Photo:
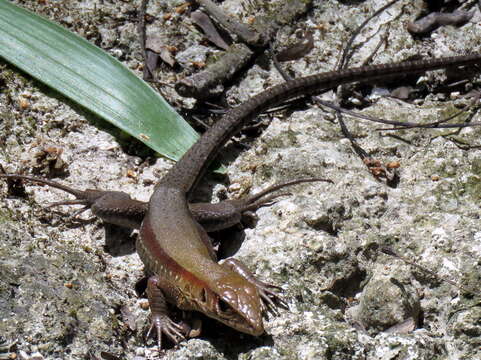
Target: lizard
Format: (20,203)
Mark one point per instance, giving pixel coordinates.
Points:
(173,242)
(176,251)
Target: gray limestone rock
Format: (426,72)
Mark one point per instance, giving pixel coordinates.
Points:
(63,295)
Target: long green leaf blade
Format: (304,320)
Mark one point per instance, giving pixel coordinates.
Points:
(92,78)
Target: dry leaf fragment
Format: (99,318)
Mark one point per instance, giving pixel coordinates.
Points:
(393,165)
(182,8)
(155,47)
(203,21)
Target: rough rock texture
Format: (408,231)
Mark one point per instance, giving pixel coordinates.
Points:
(62,296)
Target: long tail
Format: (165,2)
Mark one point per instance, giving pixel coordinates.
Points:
(185,174)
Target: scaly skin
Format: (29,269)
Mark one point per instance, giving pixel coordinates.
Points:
(175,250)
(118,208)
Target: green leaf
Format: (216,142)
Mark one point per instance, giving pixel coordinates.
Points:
(92,78)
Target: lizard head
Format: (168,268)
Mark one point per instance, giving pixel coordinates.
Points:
(235,302)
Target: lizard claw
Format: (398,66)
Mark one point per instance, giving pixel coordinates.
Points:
(270,297)
(164,325)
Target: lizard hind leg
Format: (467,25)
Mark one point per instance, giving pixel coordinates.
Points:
(82,197)
(270,298)
(113,207)
(79,194)
(246,207)
(260,199)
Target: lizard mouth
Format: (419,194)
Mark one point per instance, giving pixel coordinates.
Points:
(233,301)
(226,314)
(233,315)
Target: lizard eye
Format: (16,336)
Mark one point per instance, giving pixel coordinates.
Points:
(223,306)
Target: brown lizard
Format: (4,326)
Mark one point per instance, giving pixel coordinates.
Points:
(176,249)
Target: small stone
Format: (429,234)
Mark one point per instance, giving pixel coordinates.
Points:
(144,305)
(385,303)
(23,103)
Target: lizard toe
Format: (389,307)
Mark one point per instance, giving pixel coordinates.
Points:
(271,298)
(164,325)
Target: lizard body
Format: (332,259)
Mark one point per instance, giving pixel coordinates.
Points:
(177,251)
(173,242)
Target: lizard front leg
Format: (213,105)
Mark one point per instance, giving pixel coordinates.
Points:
(160,320)
(269,293)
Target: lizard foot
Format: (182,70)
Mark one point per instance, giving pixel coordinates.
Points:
(164,325)
(270,296)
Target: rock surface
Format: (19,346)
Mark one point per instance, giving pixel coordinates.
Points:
(62,296)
